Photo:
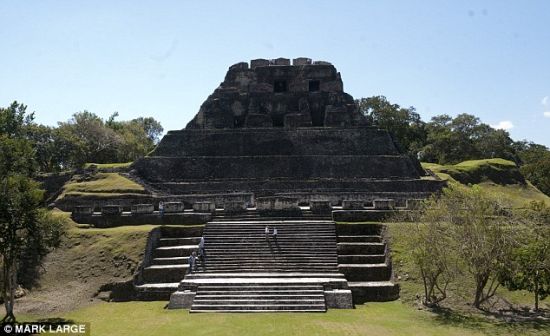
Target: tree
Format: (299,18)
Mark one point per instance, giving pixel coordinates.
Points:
(21,227)
(404,123)
(429,245)
(530,267)
(465,137)
(463,231)
(536,164)
(485,237)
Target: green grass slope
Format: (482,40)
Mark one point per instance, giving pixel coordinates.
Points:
(101,185)
(499,177)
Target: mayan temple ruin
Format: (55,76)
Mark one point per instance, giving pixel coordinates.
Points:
(273,161)
(272,128)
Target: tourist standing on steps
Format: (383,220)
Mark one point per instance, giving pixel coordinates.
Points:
(192,262)
(201,248)
(161,208)
(267,233)
(275,233)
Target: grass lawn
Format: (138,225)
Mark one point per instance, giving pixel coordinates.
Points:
(380,319)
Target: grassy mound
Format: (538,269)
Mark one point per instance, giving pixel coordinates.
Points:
(498,171)
(100,185)
(499,177)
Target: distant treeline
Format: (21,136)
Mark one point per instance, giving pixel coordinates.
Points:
(447,140)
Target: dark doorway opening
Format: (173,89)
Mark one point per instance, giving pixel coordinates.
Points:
(279,86)
(314,85)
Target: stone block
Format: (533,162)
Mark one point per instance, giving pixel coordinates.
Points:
(83,210)
(139,209)
(352,205)
(181,300)
(384,204)
(295,120)
(204,207)
(301,61)
(173,207)
(111,210)
(260,88)
(337,116)
(280,61)
(276,203)
(322,63)
(320,207)
(414,204)
(258,62)
(339,298)
(234,207)
(241,66)
(258,121)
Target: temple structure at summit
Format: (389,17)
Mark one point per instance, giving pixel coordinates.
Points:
(273,128)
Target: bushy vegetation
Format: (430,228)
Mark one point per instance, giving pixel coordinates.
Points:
(447,141)
(467,238)
(85,138)
(26,231)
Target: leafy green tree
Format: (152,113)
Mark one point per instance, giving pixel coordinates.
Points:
(530,266)
(465,137)
(536,164)
(428,241)
(466,232)
(404,123)
(20,197)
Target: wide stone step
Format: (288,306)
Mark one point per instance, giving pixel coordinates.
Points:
(175,251)
(179,241)
(155,291)
(267,308)
(373,291)
(271,278)
(244,292)
(251,288)
(361,248)
(164,273)
(365,238)
(170,261)
(317,300)
(361,259)
(366,272)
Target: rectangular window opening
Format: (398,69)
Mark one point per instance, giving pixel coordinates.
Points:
(314,85)
(279,86)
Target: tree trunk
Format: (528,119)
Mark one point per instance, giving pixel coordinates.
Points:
(536,293)
(10,281)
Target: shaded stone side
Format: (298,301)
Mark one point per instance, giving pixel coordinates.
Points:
(304,167)
(252,142)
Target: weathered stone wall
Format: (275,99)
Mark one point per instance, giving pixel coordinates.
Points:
(254,142)
(276,89)
(253,167)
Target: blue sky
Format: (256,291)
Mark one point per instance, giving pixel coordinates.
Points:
(163,58)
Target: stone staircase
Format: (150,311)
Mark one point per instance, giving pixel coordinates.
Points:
(363,258)
(166,261)
(246,272)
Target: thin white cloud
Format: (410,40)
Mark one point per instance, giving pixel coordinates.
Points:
(547,114)
(504,125)
(544,101)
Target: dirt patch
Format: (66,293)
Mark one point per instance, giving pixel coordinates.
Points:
(87,261)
